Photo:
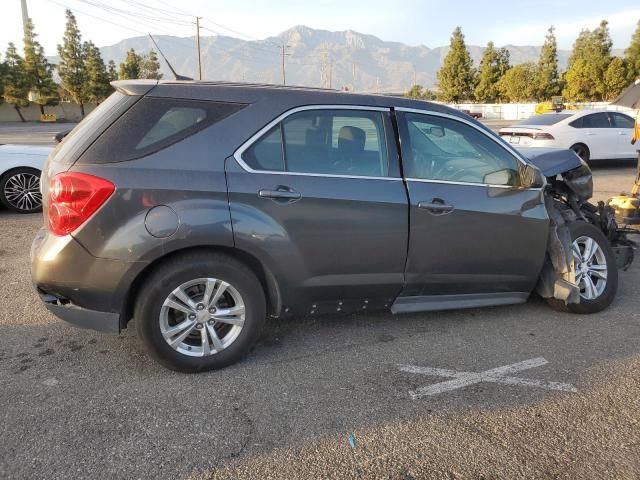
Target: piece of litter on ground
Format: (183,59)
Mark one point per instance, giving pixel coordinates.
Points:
(352,440)
(51,382)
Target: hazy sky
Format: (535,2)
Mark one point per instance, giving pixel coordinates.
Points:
(414,22)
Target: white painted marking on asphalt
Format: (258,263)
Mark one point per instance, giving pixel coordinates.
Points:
(494,375)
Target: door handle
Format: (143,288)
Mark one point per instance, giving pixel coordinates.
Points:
(281,193)
(623,133)
(437,206)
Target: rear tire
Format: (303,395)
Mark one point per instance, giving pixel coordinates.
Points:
(180,296)
(594,295)
(582,151)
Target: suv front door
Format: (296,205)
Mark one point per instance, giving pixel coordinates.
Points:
(317,196)
(476,236)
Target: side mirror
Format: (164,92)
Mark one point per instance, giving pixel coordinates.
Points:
(531,177)
(505,176)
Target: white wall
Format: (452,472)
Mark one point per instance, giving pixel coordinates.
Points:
(69,112)
(519,111)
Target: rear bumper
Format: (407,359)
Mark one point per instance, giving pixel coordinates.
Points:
(82,317)
(76,286)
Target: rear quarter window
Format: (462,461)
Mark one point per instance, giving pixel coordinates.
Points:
(153,124)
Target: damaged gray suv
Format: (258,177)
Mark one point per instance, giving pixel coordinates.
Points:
(199,209)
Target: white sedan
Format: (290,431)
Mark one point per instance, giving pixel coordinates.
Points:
(20,168)
(592,134)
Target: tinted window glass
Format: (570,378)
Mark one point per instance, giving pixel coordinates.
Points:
(153,124)
(449,150)
(546,119)
(577,123)
(622,121)
(92,126)
(266,153)
(333,142)
(596,120)
(336,142)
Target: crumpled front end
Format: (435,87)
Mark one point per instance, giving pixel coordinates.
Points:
(569,187)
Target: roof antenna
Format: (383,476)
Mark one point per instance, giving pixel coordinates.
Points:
(175,75)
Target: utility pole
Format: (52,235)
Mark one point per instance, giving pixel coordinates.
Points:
(354,76)
(330,72)
(25,15)
(283,53)
(198,47)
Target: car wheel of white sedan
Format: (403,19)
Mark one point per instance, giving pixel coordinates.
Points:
(20,190)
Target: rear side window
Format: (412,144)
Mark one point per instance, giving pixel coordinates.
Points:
(90,128)
(330,142)
(153,124)
(622,121)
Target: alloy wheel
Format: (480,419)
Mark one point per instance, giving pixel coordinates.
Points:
(22,191)
(202,317)
(590,266)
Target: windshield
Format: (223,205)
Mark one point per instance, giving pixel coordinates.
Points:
(545,119)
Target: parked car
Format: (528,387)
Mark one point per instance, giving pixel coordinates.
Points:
(592,134)
(201,208)
(20,167)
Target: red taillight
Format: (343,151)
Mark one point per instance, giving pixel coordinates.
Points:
(73,198)
(542,136)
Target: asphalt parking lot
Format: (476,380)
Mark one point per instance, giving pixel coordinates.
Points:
(560,400)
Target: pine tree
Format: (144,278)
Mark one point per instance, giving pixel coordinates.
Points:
(38,71)
(615,78)
(516,84)
(632,56)
(588,63)
(420,93)
(97,86)
(456,77)
(493,66)
(16,88)
(131,68)
(547,78)
(71,67)
(3,73)
(112,72)
(150,66)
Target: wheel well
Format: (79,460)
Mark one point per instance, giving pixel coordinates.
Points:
(581,144)
(265,276)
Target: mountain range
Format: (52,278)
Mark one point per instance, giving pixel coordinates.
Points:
(318,58)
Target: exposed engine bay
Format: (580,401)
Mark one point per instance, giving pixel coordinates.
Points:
(569,187)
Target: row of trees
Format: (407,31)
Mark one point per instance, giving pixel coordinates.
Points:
(593,73)
(82,74)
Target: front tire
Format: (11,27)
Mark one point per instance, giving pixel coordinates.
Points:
(596,270)
(20,190)
(200,312)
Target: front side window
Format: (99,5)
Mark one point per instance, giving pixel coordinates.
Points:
(443,149)
(332,142)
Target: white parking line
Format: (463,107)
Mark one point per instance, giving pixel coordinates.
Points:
(495,375)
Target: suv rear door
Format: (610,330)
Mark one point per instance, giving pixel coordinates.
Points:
(317,196)
(624,127)
(476,236)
